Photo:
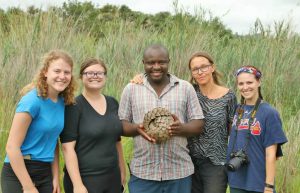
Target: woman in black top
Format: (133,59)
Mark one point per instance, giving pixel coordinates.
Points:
(91,137)
(208,150)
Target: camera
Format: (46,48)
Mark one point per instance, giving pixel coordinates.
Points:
(237,159)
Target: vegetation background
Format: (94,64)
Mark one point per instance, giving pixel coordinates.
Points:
(118,35)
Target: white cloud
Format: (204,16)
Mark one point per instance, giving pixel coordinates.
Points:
(238,15)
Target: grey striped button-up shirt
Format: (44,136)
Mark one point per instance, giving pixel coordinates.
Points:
(169,160)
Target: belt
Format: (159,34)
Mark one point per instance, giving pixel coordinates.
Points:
(27,157)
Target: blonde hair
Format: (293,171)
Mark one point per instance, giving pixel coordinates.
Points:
(216,75)
(39,82)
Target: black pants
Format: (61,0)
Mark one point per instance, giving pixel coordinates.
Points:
(103,183)
(40,173)
(208,178)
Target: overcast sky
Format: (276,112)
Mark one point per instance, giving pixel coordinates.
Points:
(238,15)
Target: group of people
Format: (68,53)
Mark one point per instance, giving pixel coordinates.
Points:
(195,159)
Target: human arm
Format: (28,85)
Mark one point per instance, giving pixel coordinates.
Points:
(18,131)
(68,138)
(270,166)
(126,115)
(72,166)
(55,170)
(121,163)
(129,129)
(132,129)
(273,140)
(231,107)
(192,113)
(193,127)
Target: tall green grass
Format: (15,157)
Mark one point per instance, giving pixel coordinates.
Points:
(121,47)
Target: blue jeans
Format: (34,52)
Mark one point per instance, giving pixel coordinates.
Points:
(138,185)
(236,190)
(208,178)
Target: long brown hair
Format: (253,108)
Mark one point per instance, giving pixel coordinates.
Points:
(40,83)
(216,75)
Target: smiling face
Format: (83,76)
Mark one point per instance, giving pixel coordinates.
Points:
(58,76)
(156,62)
(94,77)
(202,70)
(248,86)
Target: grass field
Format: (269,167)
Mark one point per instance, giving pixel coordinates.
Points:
(276,54)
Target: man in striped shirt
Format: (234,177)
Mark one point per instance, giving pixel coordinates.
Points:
(164,167)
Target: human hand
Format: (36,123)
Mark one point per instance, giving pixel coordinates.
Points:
(176,128)
(123,177)
(56,187)
(137,79)
(141,131)
(80,189)
(30,190)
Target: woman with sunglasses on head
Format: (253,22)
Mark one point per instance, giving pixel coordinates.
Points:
(256,138)
(91,137)
(208,150)
(31,164)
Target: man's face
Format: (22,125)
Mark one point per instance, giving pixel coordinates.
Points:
(156,63)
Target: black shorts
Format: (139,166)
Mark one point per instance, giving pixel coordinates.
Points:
(40,173)
(108,182)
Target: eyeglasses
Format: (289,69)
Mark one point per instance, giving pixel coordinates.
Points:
(91,74)
(200,69)
(159,62)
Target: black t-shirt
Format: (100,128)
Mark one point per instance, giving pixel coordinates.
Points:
(96,135)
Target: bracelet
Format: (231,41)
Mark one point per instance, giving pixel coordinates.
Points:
(269,185)
(268,190)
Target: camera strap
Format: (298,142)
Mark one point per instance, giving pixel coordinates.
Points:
(240,116)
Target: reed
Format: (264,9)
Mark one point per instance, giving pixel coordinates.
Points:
(121,46)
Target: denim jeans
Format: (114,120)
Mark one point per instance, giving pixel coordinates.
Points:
(236,190)
(138,185)
(40,173)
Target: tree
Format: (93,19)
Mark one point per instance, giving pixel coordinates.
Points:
(32,10)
